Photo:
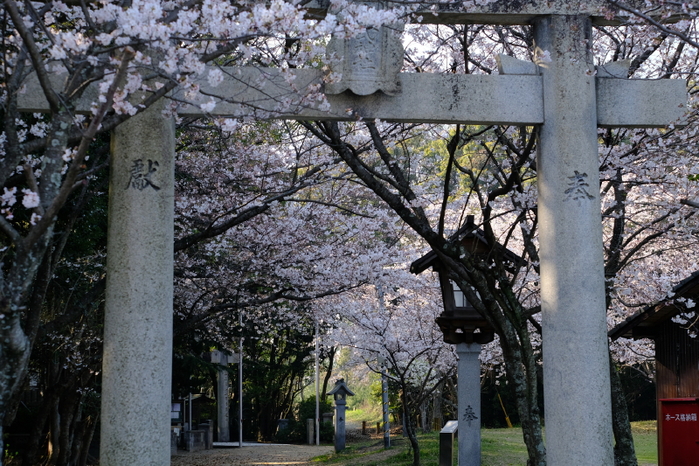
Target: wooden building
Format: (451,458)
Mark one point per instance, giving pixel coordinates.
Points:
(676,353)
(676,371)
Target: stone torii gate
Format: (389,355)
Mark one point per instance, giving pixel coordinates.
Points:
(563,97)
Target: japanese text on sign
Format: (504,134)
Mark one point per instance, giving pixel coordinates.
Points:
(681,417)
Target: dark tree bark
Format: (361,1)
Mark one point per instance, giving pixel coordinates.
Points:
(479,279)
(409,424)
(624,451)
(328,374)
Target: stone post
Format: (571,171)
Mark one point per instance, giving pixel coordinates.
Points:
(340,432)
(137,363)
(446,443)
(575,351)
(469,401)
(223,397)
(310,430)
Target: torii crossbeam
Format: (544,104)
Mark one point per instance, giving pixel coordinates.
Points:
(564,98)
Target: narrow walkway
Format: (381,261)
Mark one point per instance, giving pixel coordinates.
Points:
(253,454)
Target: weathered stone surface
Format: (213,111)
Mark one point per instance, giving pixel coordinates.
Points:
(621,102)
(469,401)
(367,63)
(223,395)
(340,392)
(635,103)
(425,97)
(136,368)
(508,12)
(575,349)
(514,98)
(614,69)
(512,65)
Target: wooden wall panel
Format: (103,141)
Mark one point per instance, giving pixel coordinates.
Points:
(677,362)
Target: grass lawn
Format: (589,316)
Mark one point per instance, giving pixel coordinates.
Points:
(645,439)
(500,447)
(503,447)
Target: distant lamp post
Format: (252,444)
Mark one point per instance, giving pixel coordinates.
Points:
(462,325)
(339,393)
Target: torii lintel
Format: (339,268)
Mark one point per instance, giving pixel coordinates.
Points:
(505,99)
(516,12)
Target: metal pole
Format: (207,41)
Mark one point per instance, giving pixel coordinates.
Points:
(240,384)
(189,409)
(384,382)
(384,396)
(317,374)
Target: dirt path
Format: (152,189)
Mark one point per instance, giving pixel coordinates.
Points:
(276,455)
(253,455)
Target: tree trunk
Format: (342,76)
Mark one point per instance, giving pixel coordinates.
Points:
(624,452)
(36,435)
(82,436)
(424,423)
(91,425)
(527,406)
(54,434)
(437,420)
(409,427)
(328,374)
(70,406)
(522,373)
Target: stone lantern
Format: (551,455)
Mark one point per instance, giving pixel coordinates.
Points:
(460,322)
(340,392)
(462,325)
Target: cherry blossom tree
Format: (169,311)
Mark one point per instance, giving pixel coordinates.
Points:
(275,217)
(279,225)
(135,53)
(389,325)
(262,218)
(647,178)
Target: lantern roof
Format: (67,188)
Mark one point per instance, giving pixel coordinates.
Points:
(474,240)
(341,388)
(644,323)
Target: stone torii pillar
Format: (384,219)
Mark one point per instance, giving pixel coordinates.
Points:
(137,361)
(577,401)
(562,97)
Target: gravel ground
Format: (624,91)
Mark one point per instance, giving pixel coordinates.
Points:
(262,454)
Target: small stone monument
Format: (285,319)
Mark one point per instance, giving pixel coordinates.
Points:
(340,392)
